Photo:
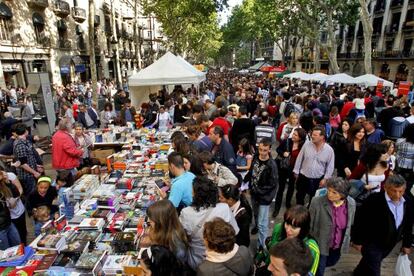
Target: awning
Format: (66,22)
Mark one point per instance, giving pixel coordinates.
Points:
(38,19)
(61,25)
(5,11)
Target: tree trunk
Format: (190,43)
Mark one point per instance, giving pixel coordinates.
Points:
(316,57)
(366,24)
(137,36)
(295,46)
(331,45)
(92,59)
(117,61)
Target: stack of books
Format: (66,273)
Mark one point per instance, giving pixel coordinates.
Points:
(92,224)
(55,242)
(114,264)
(12,253)
(84,186)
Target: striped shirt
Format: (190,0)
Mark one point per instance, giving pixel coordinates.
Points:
(264,131)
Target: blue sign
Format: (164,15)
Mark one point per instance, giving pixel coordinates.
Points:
(65,70)
(80,68)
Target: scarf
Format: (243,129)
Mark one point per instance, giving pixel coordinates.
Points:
(216,257)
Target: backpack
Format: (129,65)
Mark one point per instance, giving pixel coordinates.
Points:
(289,108)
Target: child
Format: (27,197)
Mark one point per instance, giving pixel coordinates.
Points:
(360,103)
(244,160)
(334,118)
(391,153)
(40,203)
(64,180)
(293,123)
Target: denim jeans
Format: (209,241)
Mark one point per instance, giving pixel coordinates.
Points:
(9,237)
(327,261)
(261,213)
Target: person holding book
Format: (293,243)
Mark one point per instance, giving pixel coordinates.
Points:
(40,203)
(165,228)
(9,236)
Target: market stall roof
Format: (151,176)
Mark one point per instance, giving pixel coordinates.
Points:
(372,80)
(341,78)
(192,68)
(258,65)
(317,77)
(297,75)
(167,70)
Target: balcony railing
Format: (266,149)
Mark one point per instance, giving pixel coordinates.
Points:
(408,26)
(391,29)
(38,3)
(79,14)
(379,8)
(64,44)
(61,8)
(396,4)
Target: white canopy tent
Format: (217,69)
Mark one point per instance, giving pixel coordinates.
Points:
(341,78)
(317,77)
(297,75)
(372,80)
(168,70)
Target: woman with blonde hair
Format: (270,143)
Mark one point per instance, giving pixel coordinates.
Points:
(292,124)
(166,230)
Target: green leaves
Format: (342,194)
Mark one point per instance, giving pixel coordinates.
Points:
(191,26)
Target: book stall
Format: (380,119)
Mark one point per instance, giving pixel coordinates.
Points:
(102,228)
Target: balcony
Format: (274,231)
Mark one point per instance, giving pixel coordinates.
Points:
(43,4)
(106,8)
(408,26)
(395,4)
(64,44)
(379,8)
(79,14)
(61,8)
(391,29)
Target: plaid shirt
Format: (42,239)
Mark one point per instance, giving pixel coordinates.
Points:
(24,150)
(404,154)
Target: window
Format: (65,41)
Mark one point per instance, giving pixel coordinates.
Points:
(5,22)
(39,27)
(5,29)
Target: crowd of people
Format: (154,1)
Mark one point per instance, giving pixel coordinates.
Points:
(343,153)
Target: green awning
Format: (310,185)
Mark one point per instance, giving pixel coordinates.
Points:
(281,74)
(5,11)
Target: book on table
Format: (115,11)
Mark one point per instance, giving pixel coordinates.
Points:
(12,253)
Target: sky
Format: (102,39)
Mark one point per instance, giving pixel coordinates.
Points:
(224,15)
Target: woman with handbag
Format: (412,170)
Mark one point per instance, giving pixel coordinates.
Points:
(287,152)
(40,203)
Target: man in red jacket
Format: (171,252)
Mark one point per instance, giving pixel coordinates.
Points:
(65,153)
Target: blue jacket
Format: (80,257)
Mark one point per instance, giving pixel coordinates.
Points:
(92,115)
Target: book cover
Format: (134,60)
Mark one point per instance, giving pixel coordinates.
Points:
(91,236)
(60,223)
(46,262)
(12,253)
(88,260)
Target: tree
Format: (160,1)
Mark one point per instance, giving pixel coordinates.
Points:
(366,25)
(92,58)
(191,26)
(336,12)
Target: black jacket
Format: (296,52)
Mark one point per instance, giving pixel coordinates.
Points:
(242,128)
(243,219)
(266,187)
(225,155)
(375,224)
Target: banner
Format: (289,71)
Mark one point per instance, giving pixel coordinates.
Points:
(403,88)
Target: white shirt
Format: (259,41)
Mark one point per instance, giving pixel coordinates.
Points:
(18,209)
(410,119)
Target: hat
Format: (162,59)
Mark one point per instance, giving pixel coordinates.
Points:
(44,179)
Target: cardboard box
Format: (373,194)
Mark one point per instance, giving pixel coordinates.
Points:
(102,154)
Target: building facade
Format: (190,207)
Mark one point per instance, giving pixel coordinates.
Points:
(392,41)
(53,36)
